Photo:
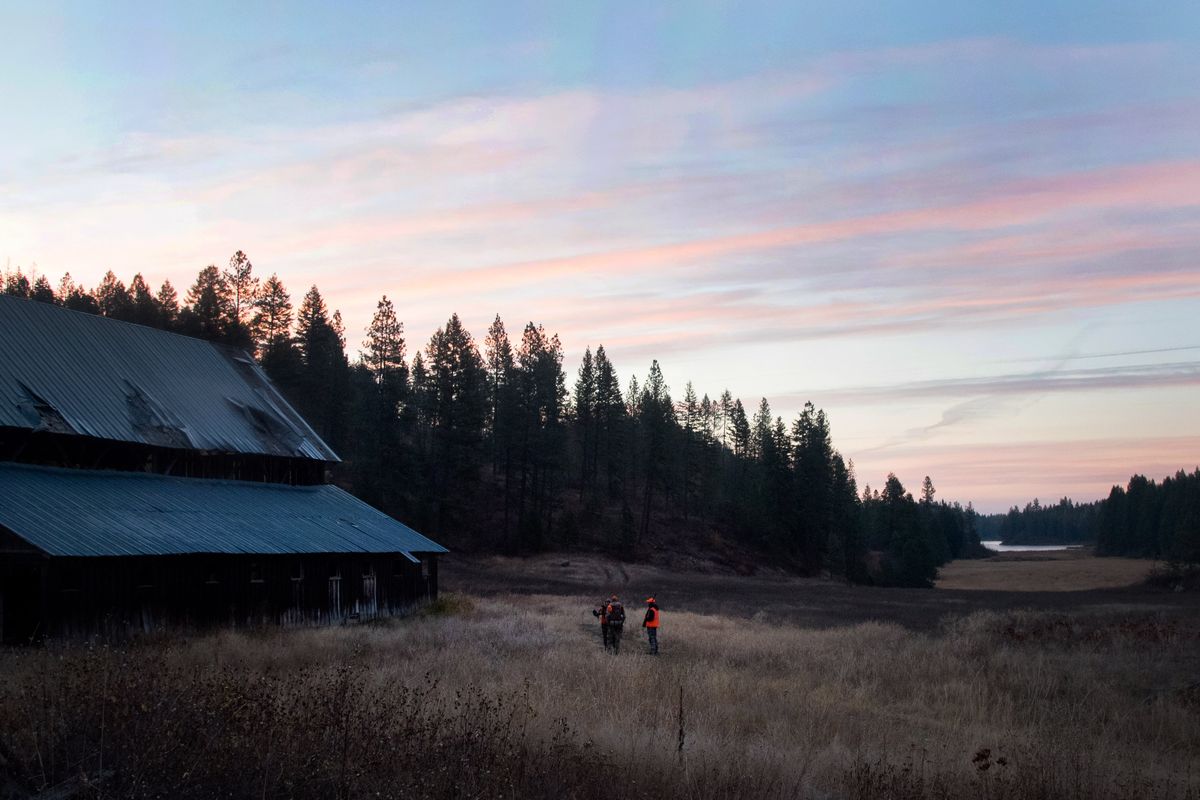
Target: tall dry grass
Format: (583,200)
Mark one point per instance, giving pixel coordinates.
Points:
(513,697)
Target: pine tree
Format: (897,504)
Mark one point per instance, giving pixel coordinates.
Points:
(610,419)
(42,291)
(384,343)
(338,327)
(740,429)
(499,361)
(209,307)
(585,416)
(271,324)
(168,305)
(847,547)
(504,416)
(691,418)
(541,392)
(760,437)
(243,287)
(417,410)
(656,415)
(75,297)
(312,323)
(66,286)
(909,558)
(145,306)
(813,460)
(16,284)
(113,298)
(726,418)
(457,412)
(325,371)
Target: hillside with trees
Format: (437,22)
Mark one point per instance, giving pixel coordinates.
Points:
(492,447)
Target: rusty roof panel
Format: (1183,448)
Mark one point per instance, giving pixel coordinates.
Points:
(74,373)
(74,512)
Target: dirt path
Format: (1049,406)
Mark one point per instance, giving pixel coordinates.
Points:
(803,601)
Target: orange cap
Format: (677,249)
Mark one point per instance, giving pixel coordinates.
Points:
(649,599)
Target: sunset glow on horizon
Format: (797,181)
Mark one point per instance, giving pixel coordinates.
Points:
(970,235)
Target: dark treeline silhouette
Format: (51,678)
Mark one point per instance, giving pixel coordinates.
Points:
(1144,519)
(1152,520)
(483,448)
(1065,522)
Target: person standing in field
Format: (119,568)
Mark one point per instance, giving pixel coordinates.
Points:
(616,623)
(602,613)
(650,623)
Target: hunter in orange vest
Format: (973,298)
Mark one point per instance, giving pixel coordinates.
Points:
(650,623)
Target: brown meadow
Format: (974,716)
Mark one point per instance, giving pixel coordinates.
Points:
(511,696)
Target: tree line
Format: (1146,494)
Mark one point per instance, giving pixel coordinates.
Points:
(1064,522)
(484,447)
(1152,520)
(1143,519)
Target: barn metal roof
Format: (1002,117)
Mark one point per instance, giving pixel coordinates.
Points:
(76,512)
(74,373)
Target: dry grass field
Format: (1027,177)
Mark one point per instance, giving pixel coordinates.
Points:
(1047,571)
(510,695)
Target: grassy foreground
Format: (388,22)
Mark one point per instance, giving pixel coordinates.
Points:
(512,697)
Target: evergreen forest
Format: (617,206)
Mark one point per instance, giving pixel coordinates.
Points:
(489,446)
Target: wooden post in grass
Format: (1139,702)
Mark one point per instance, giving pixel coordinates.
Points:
(682,734)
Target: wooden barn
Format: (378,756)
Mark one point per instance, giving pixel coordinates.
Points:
(151,480)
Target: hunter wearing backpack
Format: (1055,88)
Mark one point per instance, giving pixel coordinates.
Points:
(615,612)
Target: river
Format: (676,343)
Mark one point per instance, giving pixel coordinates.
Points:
(1026,548)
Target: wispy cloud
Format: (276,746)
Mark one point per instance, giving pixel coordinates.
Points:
(1112,354)
(845,199)
(1138,376)
(995,475)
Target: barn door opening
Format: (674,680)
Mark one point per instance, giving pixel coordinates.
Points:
(370,598)
(21,605)
(334,608)
(295,612)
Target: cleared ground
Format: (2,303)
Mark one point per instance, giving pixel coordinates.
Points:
(1055,585)
(1056,571)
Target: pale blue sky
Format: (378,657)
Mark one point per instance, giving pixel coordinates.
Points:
(969,230)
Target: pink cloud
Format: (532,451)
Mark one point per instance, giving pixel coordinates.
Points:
(1160,185)
(662,324)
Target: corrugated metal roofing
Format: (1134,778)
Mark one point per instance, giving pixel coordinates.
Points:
(73,512)
(70,372)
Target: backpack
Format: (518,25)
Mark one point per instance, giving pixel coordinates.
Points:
(616,613)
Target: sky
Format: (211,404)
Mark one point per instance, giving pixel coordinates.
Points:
(968,230)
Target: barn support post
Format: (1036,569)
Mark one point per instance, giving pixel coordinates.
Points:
(43,599)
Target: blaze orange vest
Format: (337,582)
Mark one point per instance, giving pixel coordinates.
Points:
(653,621)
